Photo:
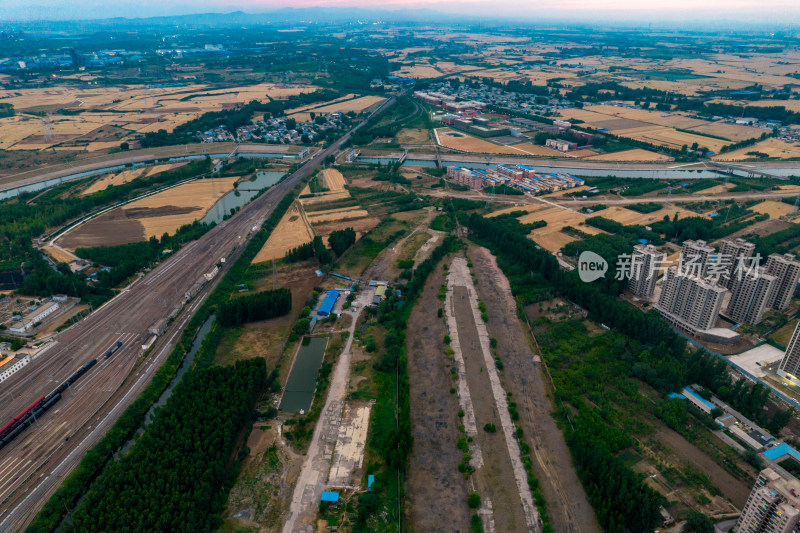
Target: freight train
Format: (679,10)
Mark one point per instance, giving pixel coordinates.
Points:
(30,414)
(112,350)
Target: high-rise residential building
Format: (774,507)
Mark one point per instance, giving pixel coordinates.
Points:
(690,302)
(646,261)
(786,268)
(790,364)
(773,505)
(732,253)
(750,293)
(696,257)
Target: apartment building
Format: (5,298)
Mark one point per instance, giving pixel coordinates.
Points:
(734,252)
(787,269)
(790,364)
(646,261)
(773,505)
(696,257)
(750,293)
(690,302)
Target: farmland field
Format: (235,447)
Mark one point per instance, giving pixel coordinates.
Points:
(291,232)
(636,154)
(155,215)
(770,147)
(773,209)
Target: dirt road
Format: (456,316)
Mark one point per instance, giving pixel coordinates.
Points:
(567,503)
(436,490)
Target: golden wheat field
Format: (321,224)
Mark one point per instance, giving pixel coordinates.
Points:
(291,231)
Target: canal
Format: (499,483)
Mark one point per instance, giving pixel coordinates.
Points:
(303,378)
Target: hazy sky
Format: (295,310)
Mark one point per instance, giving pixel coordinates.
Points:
(784,12)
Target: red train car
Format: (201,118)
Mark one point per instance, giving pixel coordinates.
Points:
(21,415)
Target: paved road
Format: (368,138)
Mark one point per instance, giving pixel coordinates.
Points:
(34,464)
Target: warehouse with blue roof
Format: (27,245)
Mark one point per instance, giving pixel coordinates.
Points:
(328,302)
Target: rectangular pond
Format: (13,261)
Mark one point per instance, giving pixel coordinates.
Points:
(303,378)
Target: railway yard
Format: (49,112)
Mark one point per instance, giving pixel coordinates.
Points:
(41,456)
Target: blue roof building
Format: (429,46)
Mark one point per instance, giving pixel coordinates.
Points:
(328,302)
(332,497)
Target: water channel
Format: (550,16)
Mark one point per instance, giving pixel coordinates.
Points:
(245,191)
(42,185)
(303,378)
(660,173)
(188,359)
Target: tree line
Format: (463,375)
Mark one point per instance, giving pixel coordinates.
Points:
(171,479)
(253,307)
(341,240)
(666,366)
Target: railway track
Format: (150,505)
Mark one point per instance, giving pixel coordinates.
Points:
(36,462)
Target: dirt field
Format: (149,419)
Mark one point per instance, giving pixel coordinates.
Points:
(467,143)
(550,237)
(773,209)
(334,180)
(660,127)
(290,232)
(418,71)
(58,254)
(151,216)
(495,479)
(135,109)
(772,147)
(684,451)
(344,214)
(567,503)
(629,216)
(104,182)
(636,154)
(436,491)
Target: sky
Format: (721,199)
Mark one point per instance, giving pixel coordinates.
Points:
(782,12)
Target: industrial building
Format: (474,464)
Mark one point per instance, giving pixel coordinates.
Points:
(786,268)
(446,101)
(561,145)
(10,365)
(750,293)
(790,364)
(522,177)
(773,504)
(690,302)
(646,263)
(734,252)
(326,307)
(36,315)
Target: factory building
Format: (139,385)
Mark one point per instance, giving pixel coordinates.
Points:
(561,145)
(787,269)
(326,307)
(750,293)
(646,262)
(690,302)
(10,365)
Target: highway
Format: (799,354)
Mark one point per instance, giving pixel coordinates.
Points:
(34,464)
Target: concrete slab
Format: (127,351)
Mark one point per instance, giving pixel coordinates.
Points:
(756,359)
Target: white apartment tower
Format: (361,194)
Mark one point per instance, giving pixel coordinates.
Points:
(695,257)
(787,269)
(773,505)
(790,364)
(690,302)
(646,261)
(750,293)
(734,252)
